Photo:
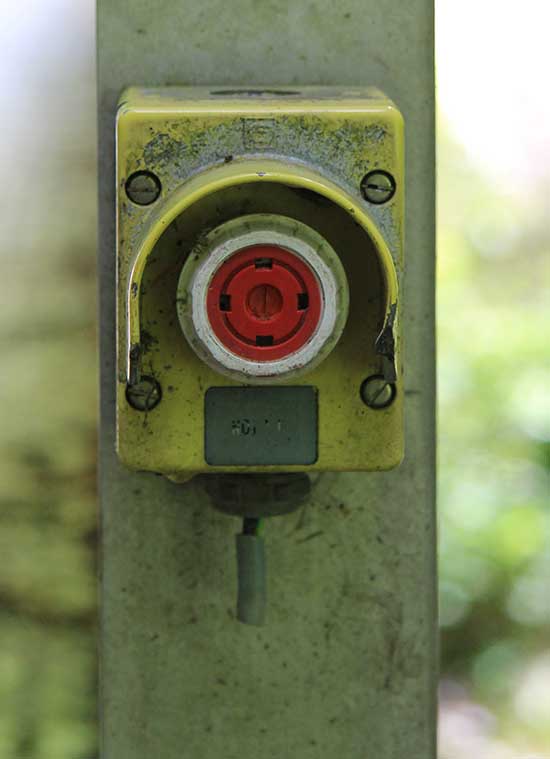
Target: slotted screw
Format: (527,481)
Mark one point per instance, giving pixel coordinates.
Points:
(144,395)
(377,392)
(378,187)
(143,188)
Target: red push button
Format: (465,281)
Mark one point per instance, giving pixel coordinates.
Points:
(264,303)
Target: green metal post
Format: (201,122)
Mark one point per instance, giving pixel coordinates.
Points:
(346,666)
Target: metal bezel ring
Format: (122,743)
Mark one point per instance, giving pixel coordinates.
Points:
(241,233)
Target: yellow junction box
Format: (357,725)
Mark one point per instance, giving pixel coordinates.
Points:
(214,155)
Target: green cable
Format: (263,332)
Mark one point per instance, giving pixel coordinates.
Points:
(251,573)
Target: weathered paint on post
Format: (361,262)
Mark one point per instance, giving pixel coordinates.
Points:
(346,664)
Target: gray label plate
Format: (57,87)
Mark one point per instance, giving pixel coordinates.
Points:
(260,426)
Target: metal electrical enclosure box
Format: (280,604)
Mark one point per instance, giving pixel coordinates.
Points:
(193,163)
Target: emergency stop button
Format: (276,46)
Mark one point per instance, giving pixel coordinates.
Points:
(262,296)
(264,303)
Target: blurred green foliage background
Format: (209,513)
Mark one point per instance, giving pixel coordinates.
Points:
(494,421)
(48,383)
(494,462)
